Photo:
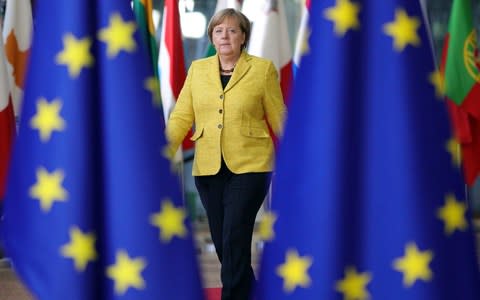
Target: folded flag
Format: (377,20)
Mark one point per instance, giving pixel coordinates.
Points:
(92,210)
(366,202)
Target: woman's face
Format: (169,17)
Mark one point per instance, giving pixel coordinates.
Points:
(228,38)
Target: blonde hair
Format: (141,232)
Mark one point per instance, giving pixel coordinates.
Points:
(242,20)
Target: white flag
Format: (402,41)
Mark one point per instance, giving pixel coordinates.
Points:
(17,37)
(270,38)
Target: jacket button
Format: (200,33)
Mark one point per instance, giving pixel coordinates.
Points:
(220,126)
(221,97)
(220,111)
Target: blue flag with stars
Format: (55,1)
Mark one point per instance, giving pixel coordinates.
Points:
(368,202)
(92,209)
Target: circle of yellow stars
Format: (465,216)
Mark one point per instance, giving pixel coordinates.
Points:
(414,265)
(76,55)
(126,271)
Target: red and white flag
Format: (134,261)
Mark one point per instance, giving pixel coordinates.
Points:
(270,38)
(17,37)
(7,122)
(171,62)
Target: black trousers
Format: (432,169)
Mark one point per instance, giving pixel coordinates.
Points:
(232,202)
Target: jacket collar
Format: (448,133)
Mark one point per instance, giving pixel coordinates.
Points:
(241,68)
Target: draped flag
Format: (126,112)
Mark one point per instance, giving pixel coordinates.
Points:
(301,45)
(7,122)
(461,68)
(270,39)
(171,62)
(222,4)
(92,210)
(143,10)
(366,203)
(17,37)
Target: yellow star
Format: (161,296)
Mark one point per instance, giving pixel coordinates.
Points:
(265,230)
(403,30)
(354,285)
(436,78)
(414,265)
(47,119)
(126,272)
(75,54)
(81,248)
(345,16)
(453,214)
(118,35)
(453,147)
(152,85)
(170,221)
(294,271)
(48,188)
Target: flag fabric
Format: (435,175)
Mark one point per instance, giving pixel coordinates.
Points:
(222,4)
(301,44)
(143,10)
(7,122)
(269,37)
(17,37)
(461,69)
(366,201)
(92,210)
(171,62)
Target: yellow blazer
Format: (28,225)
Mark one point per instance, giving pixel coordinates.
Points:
(230,122)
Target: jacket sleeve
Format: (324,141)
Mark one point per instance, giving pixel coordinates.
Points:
(182,117)
(273,101)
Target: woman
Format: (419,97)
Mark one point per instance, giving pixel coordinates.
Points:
(229,98)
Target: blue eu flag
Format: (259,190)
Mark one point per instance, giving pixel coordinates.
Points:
(368,202)
(92,209)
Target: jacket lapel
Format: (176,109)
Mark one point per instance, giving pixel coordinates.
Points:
(241,69)
(213,72)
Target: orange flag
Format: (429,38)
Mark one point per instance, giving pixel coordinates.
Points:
(17,37)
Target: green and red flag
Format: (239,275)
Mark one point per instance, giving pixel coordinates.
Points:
(461,68)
